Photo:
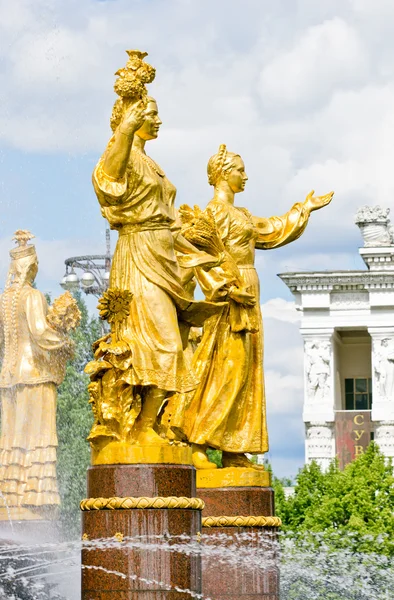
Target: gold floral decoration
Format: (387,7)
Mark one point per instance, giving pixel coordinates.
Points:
(133,77)
(22,236)
(114,307)
(131,84)
(64,314)
(114,401)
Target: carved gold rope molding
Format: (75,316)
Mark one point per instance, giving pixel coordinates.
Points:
(241,522)
(142,502)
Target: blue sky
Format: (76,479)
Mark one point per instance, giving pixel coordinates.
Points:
(303,90)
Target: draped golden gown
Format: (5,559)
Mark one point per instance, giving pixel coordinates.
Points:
(228,409)
(31,369)
(141,208)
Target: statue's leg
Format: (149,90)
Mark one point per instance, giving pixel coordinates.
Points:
(151,404)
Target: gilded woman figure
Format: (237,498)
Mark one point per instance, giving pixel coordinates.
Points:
(137,199)
(35,349)
(228,410)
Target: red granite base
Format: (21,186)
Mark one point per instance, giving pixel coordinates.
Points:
(145,569)
(247,565)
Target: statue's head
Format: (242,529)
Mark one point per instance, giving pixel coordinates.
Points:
(151,126)
(130,86)
(227,167)
(24,261)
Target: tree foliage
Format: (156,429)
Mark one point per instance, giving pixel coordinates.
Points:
(353,508)
(74,420)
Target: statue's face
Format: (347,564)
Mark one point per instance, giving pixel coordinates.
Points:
(150,128)
(237,177)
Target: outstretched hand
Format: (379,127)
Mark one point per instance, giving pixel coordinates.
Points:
(315,202)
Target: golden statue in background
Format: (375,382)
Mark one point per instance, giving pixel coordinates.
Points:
(35,348)
(142,375)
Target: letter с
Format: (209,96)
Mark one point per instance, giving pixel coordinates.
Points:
(359,420)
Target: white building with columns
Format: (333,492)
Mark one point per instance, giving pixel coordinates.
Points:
(348,330)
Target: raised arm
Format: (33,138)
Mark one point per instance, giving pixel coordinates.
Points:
(279,231)
(118,153)
(109,175)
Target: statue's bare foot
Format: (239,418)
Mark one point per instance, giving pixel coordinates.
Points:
(200,458)
(231,459)
(149,437)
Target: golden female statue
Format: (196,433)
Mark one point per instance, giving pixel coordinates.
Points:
(227,411)
(35,349)
(137,199)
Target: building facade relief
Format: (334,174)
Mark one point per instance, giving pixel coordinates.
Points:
(349,374)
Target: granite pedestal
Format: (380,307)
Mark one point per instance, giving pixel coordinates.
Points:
(137,565)
(248,569)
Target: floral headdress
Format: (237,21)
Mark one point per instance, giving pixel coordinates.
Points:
(22,237)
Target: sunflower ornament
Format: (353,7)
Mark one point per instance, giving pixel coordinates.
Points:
(114,307)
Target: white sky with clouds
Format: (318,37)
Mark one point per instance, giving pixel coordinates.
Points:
(303,90)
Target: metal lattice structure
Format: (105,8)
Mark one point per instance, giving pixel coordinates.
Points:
(95,271)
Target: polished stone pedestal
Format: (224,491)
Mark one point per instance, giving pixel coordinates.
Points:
(247,566)
(139,562)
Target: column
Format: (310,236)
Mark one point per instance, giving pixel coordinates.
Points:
(383,387)
(319,395)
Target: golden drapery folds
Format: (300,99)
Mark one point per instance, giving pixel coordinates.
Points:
(141,208)
(147,348)
(228,409)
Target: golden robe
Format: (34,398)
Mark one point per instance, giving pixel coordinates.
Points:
(228,409)
(32,367)
(141,208)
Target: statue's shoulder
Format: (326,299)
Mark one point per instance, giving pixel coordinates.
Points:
(33,294)
(218,207)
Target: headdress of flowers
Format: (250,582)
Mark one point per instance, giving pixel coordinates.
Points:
(22,236)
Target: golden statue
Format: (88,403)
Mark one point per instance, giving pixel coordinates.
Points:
(148,389)
(34,348)
(142,361)
(227,411)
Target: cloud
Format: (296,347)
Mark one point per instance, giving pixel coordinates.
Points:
(304,91)
(283,310)
(325,56)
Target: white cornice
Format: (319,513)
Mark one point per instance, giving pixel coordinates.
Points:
(327,281)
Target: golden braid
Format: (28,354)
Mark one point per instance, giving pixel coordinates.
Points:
(216,164)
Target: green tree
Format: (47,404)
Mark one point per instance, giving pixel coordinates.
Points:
(353,508)
(74,420)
